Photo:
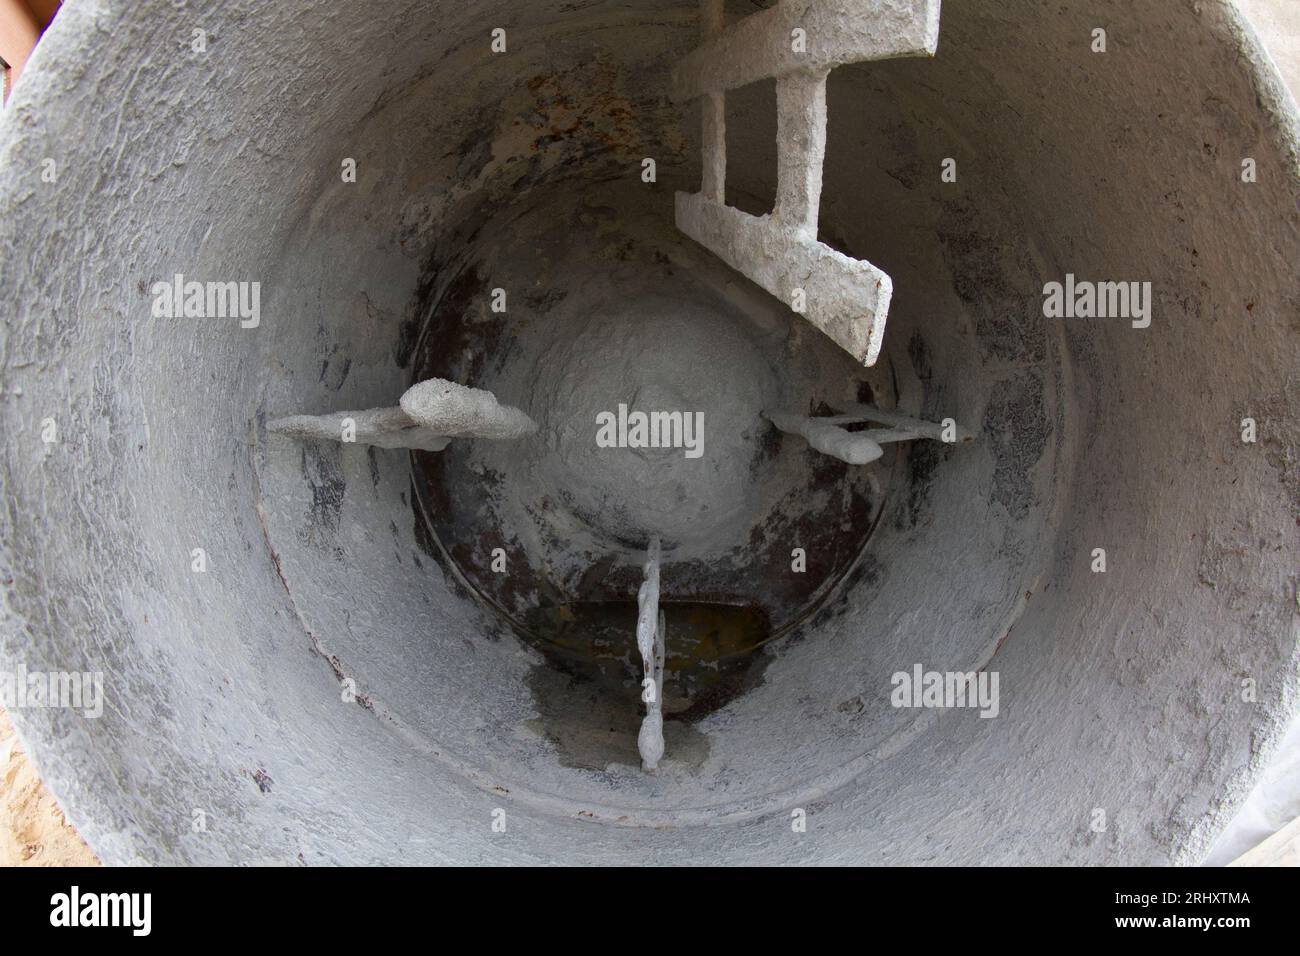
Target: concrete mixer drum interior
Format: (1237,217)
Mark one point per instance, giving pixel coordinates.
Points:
(589,432)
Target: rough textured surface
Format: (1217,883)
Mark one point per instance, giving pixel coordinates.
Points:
(1120,691)
(798,42)
(855,412)
(846,298)
(800,151)
(836,32)
(650,642)
(461,412)
(431,413)
(381,427)
(828,435)
(855,449)
(636,315)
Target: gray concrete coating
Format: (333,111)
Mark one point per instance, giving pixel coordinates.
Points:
(230,690)
(429,414)
(797,44)
(828,435)
(650,642)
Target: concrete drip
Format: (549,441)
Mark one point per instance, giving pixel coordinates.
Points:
(650,642)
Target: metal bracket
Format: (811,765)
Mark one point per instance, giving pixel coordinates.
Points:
(797,42)
(827,434)
(428,415)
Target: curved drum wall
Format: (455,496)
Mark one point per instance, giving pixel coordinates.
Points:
(224,690)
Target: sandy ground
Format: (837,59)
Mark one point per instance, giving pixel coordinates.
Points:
(1278,24)
(33,831)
